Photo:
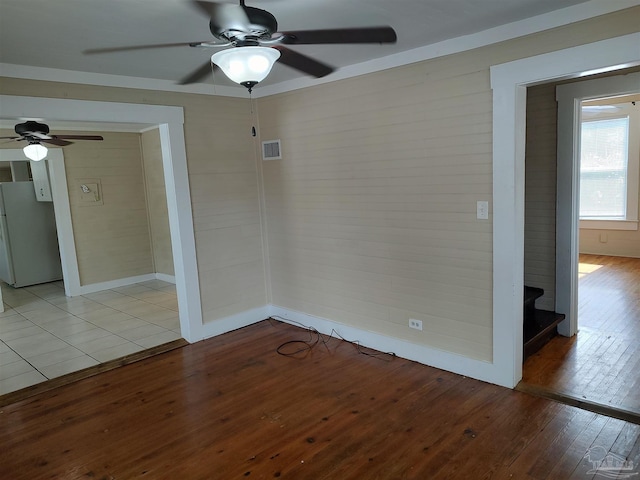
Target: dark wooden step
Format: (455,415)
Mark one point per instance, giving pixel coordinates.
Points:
(531,294)
(540,326)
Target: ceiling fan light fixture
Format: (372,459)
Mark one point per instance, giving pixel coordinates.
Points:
(246,65)
(35,151)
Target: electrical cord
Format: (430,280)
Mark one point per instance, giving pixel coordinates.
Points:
(315,337)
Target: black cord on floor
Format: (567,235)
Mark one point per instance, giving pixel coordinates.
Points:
(315,337)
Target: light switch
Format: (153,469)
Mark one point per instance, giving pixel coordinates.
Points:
(482,209)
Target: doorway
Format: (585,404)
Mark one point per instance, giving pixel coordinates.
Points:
(509,82)
(592,366)
(169,121)
(45,334)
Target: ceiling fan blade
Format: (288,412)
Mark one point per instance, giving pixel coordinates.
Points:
(39,135)
(93,51)
(198,74)
(303,63)
(341,35)
(77,137)
(11,138)
(233,17)
(57,141)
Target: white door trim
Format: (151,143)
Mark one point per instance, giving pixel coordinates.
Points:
(170,121)
(568,185)
(509,82)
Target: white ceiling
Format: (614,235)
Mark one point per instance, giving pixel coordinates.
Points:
(54,33)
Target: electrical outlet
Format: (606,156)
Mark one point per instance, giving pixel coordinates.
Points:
(417,324)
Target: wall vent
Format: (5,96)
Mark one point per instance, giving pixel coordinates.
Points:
(271,150)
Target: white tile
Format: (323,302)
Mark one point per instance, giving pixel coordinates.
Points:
(14,322)
(30,305)
(8,311)
(46,291)
(98,314)
(80,306)
(111,319)
(116,352)
(15,368)
(121,303)
(146,310)
(9,357)
(86,336)
(43,319)
(171,288)
(141,332)
(171,304)
(101,343)
(54,357)
(21,381)
(65,317)
(158,339)
(45,314)
(169,323)
(131,289)
(124,325)
(36,345)
(68,366)
(26,331)
(63,330)
(158,315)
(152,296)
(100,297)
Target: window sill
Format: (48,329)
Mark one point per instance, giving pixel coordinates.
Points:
(609,224)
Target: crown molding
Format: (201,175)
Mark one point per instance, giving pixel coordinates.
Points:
(557,18)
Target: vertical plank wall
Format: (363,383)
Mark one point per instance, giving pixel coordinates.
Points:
(157,202)
(112,238)
(371,212)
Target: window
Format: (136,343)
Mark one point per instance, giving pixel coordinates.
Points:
(603,169)
(609,158)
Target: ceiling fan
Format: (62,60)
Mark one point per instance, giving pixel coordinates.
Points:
(257,44)
(37,133)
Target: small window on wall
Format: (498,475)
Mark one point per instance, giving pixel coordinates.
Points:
(609,157)
(603,169)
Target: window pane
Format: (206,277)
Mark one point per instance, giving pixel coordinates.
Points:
(603,168)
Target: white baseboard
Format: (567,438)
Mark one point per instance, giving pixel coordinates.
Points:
(441,359)
(120,282)
(166,278)
(233,322)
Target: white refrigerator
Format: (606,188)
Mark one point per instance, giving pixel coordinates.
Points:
(29,251)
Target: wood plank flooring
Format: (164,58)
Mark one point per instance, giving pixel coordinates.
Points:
(231,407)
(601,364)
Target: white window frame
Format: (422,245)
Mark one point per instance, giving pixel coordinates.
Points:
(630,222)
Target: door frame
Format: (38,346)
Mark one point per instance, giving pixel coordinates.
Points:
(509,82)
(569,98)
(170,121)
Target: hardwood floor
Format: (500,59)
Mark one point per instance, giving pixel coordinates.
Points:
(601,364)
(232,407)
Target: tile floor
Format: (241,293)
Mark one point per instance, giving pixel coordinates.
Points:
(44,334)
